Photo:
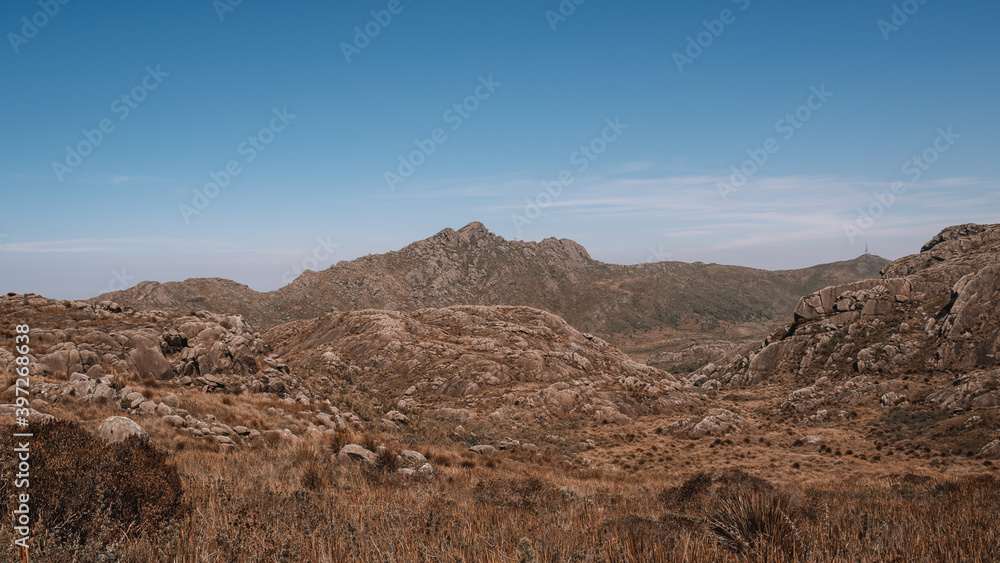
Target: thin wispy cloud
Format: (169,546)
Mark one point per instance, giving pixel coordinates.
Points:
(95,245)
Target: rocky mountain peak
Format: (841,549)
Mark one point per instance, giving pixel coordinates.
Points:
(473,266)
(474,228)
(472,232)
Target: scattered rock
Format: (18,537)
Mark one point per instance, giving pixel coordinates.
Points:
(412,458)
(891,399)
(353,453)
(10,411)
(397,417)
(991,450)
(119,429)
(509,444)
(484,450)
(174,420)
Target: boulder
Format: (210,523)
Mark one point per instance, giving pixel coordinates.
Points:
(411,458)
(133,400)
(147,358)
(484,449)
(173,420)
(63,362)
(719,422)
(891,399)
(397,417)
(509,444)
(118,429)
(991,450)
(353,453)
(104,393)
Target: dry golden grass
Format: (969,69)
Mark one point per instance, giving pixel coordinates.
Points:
(293,503)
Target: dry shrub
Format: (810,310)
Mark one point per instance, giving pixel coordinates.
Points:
(314,477)
(371,442)
(441,458)
(755,524)
(386,460)
(528,492)
(341,437)
(693,492)
(273,439)
(87,492)
(699,491)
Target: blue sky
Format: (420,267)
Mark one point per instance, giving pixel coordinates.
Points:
(183,93)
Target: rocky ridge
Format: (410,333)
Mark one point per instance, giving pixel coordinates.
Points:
(473,266)
(924,337)
(514,362)
(936,311)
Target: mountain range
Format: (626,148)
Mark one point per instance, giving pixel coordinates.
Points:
(636,307)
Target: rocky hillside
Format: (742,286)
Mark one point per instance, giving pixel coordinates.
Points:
(473,266)
(455,363)
(920,343)
(516,363)
(936,311)
(878,375)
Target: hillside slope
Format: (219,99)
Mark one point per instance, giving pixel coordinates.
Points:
(473,266)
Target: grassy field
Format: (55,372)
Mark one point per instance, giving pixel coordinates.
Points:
(283,502)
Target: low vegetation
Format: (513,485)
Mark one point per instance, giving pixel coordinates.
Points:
(89,499)
(294,503)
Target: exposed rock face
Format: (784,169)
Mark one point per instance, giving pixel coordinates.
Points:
(991,450)
(693,356)
(119,429)
(716,422)
(473,266)
(468,347)
(474,353)
(935,311)
(147,357)
(107,338)
(977,390)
